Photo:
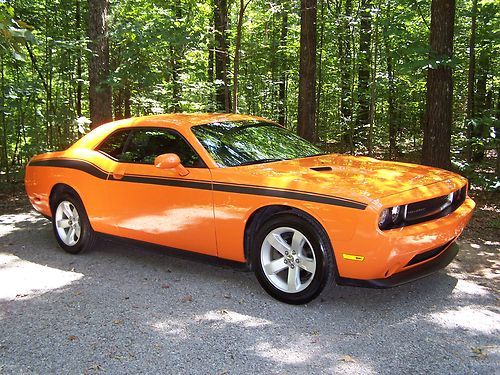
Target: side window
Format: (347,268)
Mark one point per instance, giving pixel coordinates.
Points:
(113,145)
(146,144)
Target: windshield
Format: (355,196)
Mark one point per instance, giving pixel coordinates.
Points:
(251,142)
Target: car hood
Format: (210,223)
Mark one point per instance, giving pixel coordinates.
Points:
(359,178)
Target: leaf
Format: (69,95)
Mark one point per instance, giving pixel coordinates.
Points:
(347,358)
(478,352)
(187,298)
(72,338)
(17,56)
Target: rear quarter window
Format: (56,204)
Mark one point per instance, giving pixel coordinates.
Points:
(114,144)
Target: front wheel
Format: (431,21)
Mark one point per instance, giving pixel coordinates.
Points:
(71,225)
(292,258)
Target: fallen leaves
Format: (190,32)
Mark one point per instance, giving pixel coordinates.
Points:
(347,358)
(187,298)
(72,338)
(478,352)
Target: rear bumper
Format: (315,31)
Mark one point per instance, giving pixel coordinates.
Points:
(412,274)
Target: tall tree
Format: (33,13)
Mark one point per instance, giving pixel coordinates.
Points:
(364,66)
(175,62)
(471,79)
(438,117)
(307,71)
(283,67)
(344,52)
(100,95)
(391,98)
(79,87)
(223,100)
(237,52)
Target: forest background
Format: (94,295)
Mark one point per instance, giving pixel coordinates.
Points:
(383,78)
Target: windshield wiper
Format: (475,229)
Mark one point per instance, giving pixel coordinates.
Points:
(259,161)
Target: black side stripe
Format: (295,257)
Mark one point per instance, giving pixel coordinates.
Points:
(95,171)
(80,165)
(290,190)
(288,194)
(164,181)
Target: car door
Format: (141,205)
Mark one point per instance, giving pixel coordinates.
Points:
(157,205)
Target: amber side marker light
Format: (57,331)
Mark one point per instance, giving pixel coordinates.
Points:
(358,258)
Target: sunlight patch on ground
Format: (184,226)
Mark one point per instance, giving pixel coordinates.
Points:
(288,355)
(22,279)
(470,318)
(347,366)
(221,318)
(8,222)
(232,317)
(172,328)
(466,287)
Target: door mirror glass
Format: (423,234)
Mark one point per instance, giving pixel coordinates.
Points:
(171,161)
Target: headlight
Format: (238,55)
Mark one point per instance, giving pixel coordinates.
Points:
(384,219)
(391,217)
(395,211)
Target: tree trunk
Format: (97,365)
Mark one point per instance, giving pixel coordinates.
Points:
(118,104)
(100,95)
(211,61)
(175,61)
(5,156)
(364,66)
(373,87)
(176,86)
(438,118)
(471,81)
(320,69)
(237,50)
(344,46)
(307,71)
(282,84)
(481,104)
(79,84)
(391,110)
(497,130)
(126,102)
(223,100)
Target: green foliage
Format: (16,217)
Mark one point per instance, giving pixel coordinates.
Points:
(160,62)
(13,33)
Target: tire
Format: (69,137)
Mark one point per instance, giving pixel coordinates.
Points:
(292,258)
(71,224)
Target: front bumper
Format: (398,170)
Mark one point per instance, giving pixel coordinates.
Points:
(387,253)
(419,271)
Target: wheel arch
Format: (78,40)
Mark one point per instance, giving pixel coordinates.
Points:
(61,188)
(260,215)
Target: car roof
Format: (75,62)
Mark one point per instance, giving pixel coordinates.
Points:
(178,121)
(183,120)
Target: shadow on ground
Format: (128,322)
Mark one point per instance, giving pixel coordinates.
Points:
(127,309)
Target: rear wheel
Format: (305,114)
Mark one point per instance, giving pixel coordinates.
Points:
(71,225)
(292,258)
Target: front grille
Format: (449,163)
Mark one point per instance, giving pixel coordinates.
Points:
(434,208)
(427,255)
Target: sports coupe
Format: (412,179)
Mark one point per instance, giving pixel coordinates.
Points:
(245,189)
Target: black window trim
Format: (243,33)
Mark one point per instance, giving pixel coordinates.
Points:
(131,131)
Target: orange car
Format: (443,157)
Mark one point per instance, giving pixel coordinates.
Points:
(245,189)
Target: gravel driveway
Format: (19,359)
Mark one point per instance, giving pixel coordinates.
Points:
(125,309)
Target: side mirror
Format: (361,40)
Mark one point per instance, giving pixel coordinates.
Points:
(171,161)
